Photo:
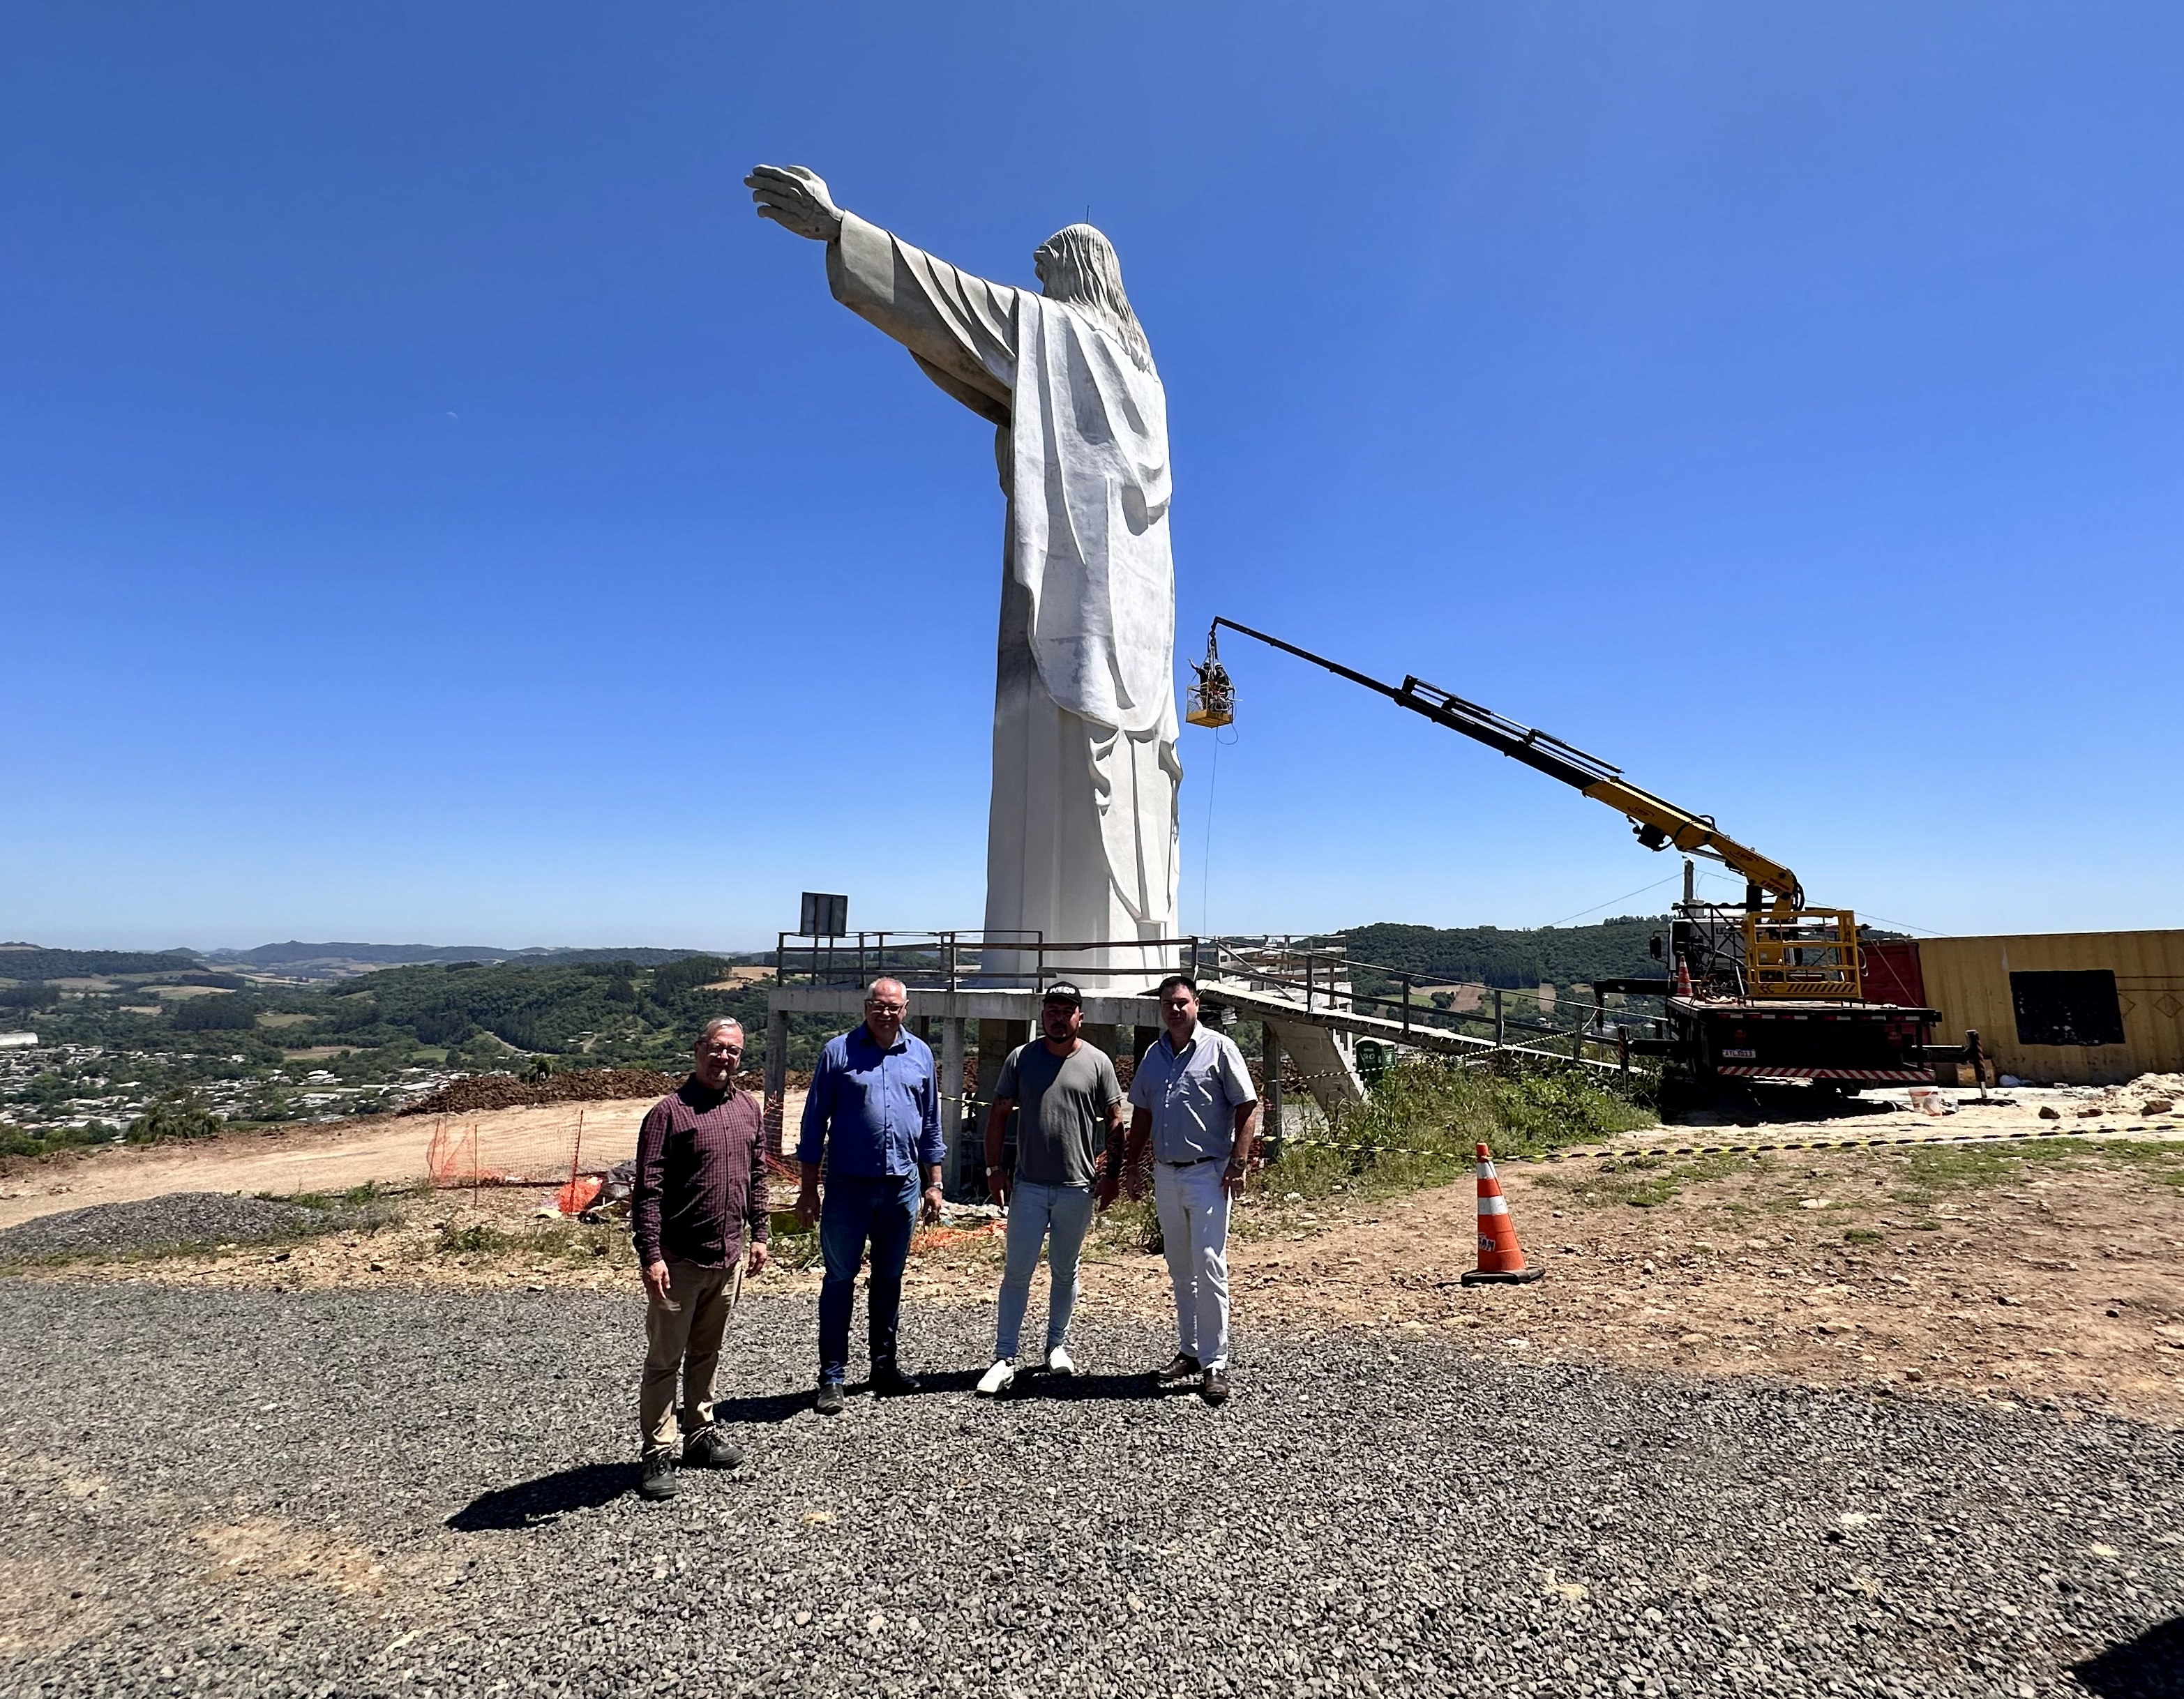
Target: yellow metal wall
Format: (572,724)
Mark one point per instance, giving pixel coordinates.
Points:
(1968,980)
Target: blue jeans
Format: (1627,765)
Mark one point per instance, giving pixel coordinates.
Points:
(857,1209)
(1034,1211)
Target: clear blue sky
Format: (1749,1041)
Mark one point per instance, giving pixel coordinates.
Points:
(432,506)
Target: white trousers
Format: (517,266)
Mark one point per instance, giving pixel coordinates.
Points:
(1193,1204)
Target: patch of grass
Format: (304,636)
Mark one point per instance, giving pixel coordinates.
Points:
(1131,1224)
(794,1248)
(356,1197)
(52,1140)
(2161,1163)
(108,1255)
(1420,1124)
(1933,1169)
(1860,1235)
(474,1238)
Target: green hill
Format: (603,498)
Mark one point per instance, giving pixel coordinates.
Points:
(1523,959)
(28,961)
(334,961)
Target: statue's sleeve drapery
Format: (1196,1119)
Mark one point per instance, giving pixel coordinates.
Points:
(961,329)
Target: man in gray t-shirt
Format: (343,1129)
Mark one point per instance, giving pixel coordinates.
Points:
(1069,1137)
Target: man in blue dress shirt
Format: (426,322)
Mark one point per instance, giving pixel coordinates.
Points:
(873,1116)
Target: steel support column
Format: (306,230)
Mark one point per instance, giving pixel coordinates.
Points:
(951,1089)
(777,1077)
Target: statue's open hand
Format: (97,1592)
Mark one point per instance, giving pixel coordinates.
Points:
(796,199)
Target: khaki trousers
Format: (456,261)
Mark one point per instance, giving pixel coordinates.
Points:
(687,1338)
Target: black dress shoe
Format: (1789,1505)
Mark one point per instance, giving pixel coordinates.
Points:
(659,1479)
(1182,1367)
(1213,1386)
(829,1401)
(890,1382)
(709,1448)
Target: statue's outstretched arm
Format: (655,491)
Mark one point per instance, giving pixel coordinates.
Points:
(960,328)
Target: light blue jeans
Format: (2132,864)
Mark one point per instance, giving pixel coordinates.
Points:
(1035,1213)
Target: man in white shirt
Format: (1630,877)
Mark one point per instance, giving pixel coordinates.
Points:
(1193,1099)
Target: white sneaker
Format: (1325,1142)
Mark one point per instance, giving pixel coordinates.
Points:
(1059,1361)
(998,1378)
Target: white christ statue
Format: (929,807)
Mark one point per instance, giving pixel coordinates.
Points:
(1081,832)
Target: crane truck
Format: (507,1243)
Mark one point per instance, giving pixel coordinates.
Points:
(1769,990)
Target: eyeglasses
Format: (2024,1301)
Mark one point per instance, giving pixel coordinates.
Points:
(887,1008)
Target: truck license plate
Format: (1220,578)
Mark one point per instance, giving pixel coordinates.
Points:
(1741,1056)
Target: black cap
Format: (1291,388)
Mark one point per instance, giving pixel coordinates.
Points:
(1061,991)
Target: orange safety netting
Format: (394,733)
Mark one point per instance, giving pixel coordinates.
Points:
(578,1195)
(467,1155)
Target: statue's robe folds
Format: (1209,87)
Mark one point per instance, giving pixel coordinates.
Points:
(1081,835)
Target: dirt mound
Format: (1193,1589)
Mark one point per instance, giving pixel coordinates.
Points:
(2150,1094)
(583,1085)
(506,1091)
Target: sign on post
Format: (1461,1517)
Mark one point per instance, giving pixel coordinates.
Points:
(824,915)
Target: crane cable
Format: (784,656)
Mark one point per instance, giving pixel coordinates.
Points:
(1205,847)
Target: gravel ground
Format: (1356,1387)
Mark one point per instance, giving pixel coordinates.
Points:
(399,1492)
(179,1218)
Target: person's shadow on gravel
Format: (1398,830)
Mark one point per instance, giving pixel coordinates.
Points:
(2151,1667)
(537,1503)
(1037,1383)
(931,1382)
(767,1408)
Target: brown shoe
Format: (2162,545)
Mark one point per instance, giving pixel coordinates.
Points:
(1182,1368)
(1213,1386)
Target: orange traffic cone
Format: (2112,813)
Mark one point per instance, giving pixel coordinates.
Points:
(1500,1258)
(1683,977)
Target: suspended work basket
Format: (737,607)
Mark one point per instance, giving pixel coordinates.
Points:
(1210,707)
(1212,701)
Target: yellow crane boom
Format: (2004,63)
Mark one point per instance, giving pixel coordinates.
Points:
(1657,822)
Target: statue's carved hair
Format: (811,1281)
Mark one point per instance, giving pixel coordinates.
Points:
(1082,270)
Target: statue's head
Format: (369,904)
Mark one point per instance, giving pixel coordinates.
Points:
(1078,264)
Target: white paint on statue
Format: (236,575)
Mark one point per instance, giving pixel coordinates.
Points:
(1081,838)
(1089,546)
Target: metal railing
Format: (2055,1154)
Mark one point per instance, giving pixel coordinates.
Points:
(968,958)
(1327,978)
(1323,978)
